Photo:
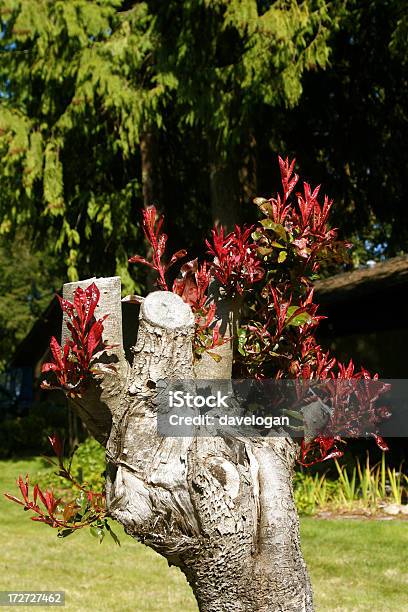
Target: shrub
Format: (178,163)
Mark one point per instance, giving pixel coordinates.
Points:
(88,466)
(361,486)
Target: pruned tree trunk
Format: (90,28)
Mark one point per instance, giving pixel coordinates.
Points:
(219,508)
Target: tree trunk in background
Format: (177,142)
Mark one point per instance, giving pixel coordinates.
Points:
(151,184)
(150,165)
(224,188)
(73,434)
(220,508)
(248,170)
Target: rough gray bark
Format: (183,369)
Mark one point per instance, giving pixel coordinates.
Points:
(219,508)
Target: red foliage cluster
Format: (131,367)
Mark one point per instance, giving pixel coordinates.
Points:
(352,400)
(47,498)
(86,510)
(293,240)
(72,363)
(321,448)
(236,264)
(290,242)
(151,226)
(192,285)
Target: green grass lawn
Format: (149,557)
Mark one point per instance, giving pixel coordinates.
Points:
(355,565)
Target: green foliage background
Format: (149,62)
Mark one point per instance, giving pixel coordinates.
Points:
(28,281)
(220,83)
(82,80)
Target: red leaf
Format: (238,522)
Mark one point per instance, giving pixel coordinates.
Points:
(57,445)
(49,367)
(42,497)
(334,455)
(23,487)
(95,336)
(381,443)
(66,305)
(186,285)
(139,259)
(56,352)
(161,246)
(93,294)
(80,303)
(175,257)
(216,334)
(14,499)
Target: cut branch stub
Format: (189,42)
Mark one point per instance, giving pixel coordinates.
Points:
(109,304)
(166,310)
(226,315)
(102,395)
(164,344)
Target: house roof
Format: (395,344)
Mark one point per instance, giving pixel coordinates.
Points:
(36,343)
(346,286)
(366,300)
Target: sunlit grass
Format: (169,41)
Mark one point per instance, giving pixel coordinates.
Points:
(94,576)
(355,565)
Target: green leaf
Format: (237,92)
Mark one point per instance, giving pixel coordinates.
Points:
(242,337)
(300,319)
(276,227)
(264,251)
(65,533)
(282,256)
(112,533)
(264,205)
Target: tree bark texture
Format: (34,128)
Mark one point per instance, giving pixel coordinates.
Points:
(219,508)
